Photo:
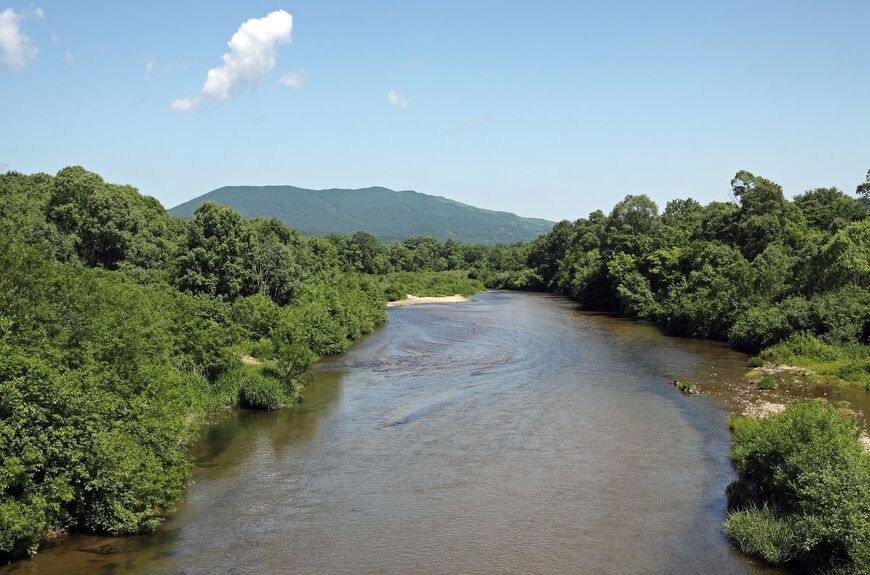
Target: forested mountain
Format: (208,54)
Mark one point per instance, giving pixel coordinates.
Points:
(386,214)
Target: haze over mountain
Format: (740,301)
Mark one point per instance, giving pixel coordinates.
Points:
(389,215)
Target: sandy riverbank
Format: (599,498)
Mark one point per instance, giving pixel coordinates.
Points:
(414,300)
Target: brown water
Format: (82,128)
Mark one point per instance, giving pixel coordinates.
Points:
(510,435)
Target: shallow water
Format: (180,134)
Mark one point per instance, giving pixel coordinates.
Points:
(510,435)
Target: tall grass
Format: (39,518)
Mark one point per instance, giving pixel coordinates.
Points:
(844,363)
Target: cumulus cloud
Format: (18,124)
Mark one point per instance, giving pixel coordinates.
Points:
(16,49)
(149,67)
(398,99)
(251,56)
(293,80)
(39,13)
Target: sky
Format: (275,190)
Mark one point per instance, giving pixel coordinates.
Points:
(546,109)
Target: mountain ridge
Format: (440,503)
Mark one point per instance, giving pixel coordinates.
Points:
(390,215)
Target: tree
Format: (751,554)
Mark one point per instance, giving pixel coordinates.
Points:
(632,224)
(278,260)
(846,257)
(764,215)
(863,189)
(829,209)
(213,259)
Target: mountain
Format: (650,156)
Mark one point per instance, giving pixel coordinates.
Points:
(386,214)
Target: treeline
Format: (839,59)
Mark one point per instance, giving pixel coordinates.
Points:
(121,327)
(761,272)
(362,252)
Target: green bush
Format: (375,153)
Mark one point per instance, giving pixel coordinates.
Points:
(809,475)
(766,383)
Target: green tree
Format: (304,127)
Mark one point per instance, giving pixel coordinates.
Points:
(846,257)
(213,259)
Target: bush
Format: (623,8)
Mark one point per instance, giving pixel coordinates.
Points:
(766,383)
(804,485)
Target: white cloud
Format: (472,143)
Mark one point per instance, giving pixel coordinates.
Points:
(251,56)
(398,99)
(294,80)
(16,49)
(184,104)
(149,66)
(67,57)
(39,13)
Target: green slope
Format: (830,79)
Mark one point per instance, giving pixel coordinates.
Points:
(389,215)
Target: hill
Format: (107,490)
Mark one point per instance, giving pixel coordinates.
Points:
(386,214)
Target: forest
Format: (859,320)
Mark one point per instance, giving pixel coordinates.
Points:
(123,328)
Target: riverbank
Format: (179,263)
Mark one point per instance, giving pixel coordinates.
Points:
(411,299)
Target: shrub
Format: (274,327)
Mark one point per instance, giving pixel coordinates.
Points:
(766,383)
(804,485)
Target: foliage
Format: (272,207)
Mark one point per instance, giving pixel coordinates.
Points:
(834,363)
(803,488)
(121,327)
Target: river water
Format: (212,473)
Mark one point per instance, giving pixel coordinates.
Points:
(514,434)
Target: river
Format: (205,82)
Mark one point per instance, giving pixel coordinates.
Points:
(514,434)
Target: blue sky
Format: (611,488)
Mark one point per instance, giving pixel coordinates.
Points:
(548,109)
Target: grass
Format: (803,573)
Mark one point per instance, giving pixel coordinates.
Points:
(256,387)
(847,364)
(398,285)
(760,533)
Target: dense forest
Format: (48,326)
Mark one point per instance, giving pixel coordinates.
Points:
(122,328)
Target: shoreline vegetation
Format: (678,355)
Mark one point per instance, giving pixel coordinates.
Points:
(802,493)
(122,328)
(786,281)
